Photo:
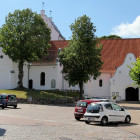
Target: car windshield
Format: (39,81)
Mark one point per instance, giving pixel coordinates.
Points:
(81,104)
(93,108)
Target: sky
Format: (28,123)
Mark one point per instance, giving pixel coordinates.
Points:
(120,17)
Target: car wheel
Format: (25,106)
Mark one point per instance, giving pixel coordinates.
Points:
(15,106)
(77,118)
(87,122)
(5,105)
(127,119)
(2,107)
(104,121)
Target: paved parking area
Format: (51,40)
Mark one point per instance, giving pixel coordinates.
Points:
(46,122)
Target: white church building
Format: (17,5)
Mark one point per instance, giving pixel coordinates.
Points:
(46,74)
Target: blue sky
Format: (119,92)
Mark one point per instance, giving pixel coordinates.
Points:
(121,17)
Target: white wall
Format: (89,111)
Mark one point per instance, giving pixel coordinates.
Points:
(59,79)
(92,88)
(5,74)
(121,79)
(50,73)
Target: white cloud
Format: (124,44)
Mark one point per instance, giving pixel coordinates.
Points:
(130,30)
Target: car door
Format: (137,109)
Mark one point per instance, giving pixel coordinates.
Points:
(109,112)
(119,112)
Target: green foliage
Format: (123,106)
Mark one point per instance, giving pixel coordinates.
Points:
(114,97)
(24,37)
(81,59)
(135,72)
(110,37)
(52,94)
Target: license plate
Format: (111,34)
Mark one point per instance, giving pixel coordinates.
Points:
(90,119)
(80,110)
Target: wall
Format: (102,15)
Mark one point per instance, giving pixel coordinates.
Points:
(121,79)
(5,71)
(50,73)
(92,88)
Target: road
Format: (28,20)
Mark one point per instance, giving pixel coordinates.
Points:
(49,122)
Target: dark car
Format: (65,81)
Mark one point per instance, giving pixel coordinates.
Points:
(10,100)
(2,102)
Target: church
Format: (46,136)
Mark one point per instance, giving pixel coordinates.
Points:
(46,74)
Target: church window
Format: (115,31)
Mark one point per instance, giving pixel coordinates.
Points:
(42,79)
(113,94)
(53,83)
(100,83)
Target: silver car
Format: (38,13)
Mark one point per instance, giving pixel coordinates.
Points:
(105,112)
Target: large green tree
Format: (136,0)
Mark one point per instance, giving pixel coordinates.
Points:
(135,72)
(81,59)
(24,37)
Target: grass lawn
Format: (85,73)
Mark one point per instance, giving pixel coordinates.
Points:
(25,93)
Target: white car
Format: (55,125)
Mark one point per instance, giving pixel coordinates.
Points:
(105,112)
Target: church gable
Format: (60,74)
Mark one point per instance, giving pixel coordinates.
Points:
(121,79)
(55,33)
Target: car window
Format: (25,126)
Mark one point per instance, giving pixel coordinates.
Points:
(108,106)
(116,107)
(12,97)
(94,108)
(3,96)
(81,104)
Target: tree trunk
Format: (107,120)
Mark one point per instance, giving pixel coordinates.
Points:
(20,75)
(81,90)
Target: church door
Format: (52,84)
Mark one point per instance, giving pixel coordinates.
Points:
(131,94)
(30,84)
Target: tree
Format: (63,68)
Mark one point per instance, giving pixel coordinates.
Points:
(111,37)
(135,71)
(24,37)
(81,59)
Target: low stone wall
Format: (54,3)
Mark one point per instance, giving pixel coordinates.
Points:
(48,101)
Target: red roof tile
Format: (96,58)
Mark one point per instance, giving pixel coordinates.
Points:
(113,53)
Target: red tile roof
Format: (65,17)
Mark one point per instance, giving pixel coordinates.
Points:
(55,45)
(113,53)
(115,50)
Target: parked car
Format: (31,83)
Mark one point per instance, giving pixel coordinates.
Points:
(105,112)
(81,106)
(2,102)
(10,100)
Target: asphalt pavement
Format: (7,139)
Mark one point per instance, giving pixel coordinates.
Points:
(49,122)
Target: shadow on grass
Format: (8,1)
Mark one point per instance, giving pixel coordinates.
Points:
(45,97)
(45,94)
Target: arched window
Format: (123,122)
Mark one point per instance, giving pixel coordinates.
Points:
(100,83)
(53,83)
(42,79)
